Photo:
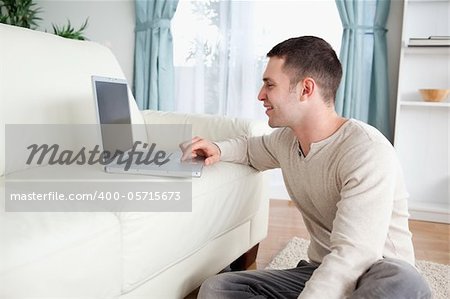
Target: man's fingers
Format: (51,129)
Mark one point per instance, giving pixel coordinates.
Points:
(200,147)
(187,154)
(195,149)
(186,148)
(186,144)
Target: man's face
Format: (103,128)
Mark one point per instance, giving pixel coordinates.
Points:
(281,103)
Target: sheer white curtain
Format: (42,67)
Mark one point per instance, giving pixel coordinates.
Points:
(217,68)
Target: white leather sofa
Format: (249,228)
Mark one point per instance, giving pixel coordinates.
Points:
(45,79)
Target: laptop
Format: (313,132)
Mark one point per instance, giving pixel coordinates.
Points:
(122,155)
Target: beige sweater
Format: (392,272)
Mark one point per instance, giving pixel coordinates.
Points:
(350,191)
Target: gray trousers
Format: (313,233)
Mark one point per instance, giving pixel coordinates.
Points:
(387,278)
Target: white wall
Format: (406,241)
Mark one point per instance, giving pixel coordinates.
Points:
(111,23)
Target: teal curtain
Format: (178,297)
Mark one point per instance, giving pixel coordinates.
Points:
(153,55)
(364,90)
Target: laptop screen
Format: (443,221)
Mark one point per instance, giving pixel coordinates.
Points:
(114,114)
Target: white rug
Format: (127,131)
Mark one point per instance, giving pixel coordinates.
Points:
(437,275)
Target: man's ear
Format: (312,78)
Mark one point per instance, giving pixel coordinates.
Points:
(309,86)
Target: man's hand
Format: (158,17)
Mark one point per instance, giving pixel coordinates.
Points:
(199,147)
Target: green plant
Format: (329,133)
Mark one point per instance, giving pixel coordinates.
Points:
(21,13)
(69,32)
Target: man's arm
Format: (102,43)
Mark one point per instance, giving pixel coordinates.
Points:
(259,152)
(360,228)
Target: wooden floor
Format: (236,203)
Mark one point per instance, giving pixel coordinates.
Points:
(431,240)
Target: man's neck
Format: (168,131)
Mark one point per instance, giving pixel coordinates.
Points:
(317,128)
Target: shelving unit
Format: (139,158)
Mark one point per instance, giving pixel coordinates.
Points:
(422,128)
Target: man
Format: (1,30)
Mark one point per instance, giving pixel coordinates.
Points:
(342,174)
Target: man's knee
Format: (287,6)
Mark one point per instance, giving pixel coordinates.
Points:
(209,287)
(407,280)
(392,278)
(219,286)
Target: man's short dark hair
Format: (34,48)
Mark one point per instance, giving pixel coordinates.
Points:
(310,56)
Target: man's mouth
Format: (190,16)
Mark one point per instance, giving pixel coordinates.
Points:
(268,107)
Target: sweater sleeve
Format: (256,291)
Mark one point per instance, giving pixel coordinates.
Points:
(259,152)
(368,177)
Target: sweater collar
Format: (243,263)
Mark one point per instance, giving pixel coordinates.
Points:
(317,146)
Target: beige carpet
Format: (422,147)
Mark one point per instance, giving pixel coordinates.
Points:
(437,275)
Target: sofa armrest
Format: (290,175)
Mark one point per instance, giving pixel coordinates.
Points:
(210,127)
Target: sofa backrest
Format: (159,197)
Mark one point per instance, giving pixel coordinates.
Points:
(46,79)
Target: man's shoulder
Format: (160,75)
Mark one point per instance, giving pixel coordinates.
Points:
(360,133)
(362,141)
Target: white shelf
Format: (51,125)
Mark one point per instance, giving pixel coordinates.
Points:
(426,50)
(426,104)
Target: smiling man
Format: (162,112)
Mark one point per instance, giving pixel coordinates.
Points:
(342,174)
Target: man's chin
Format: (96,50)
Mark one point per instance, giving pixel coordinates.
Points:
(273,125)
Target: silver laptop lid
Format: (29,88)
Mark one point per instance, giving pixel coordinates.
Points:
(113,113)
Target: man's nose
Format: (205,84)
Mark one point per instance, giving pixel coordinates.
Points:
(262,94)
